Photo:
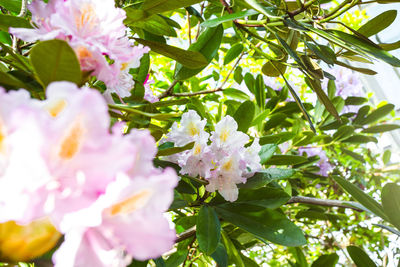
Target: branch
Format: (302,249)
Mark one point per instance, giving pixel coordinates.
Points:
(185,235)
(21,14)
(323,202)
(169,91)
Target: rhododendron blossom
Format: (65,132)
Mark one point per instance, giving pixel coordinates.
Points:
(94,29)
(324,166)
(225,162)
(75,168)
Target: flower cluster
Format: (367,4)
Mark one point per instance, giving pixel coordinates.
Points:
(58,159)
(95,30)
(222,159)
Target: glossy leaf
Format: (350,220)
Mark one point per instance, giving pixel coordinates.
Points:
(366,200)
(360,258)
(61,62)
(378,23)
(190,59)
(391,203)
(266,152)
(233,53)
(264,223)
(244,115)
(208,230)
(207,44)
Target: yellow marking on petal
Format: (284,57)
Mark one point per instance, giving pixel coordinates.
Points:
(83,53)
(124,66)
(131,204)
(2,137)
(193,129)
(57,107)
(86,17)
(197,149)
(227,165)
(72,142)
(224,135)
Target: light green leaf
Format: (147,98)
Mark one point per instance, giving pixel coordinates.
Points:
(226,18)
(378,23)
(391,203)
(233,53)
(159,6)
(7,21)
(244,115)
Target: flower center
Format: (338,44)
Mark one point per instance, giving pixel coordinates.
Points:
(86,16)
(72,142)
(197,149)
(193,129)
(224,135)
(56,107)
(2,138)
(227,165)
(132,203)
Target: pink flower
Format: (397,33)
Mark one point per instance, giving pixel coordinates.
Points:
(128,217)
(94,29)
(323,163)
(198,161)
(148,93)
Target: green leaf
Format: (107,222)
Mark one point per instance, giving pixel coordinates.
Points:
(235,93)
(233,53)
(226,18)
(264,177)
(61,62)
(391,46)
(378,23)
(159,6)
(391,203)
(233,253)
(259,91)
(174,150)
(343,132)
(386,156)
(328,260)
(154,24)
(207,44)
(244,115)
(266,152)
(366,200)
(267,197)
(11,5)
(361,70)
(266,11)
(220,256)
(360,139)
(286,160)
(263,223)
(7,21)
(5,38)
(273,69)
(7,79)
(367,47)
(208,230)
(360,258)
(316,86)
(355,100)
(190,59)
(381,128)
(378,114)
(276,138)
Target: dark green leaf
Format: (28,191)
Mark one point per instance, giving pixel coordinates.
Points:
(366,200)
(267,197)
(190,59)
(343,132)
(9,80)
(378,114)
(233,253)
(378,23)
(360,139)
(329,260)
(233,53)
(208,230)
(226,18)
(276,138)
(158,6)
(207,44)
(61,62)
(244,115)
(7,21)
(263,223)
(266,152)
(174,150)
(259,91)
(154,24)
(220,256)
(264,177)
(391,203)
(11,5)
(359,257)
(381,128)
(286,160)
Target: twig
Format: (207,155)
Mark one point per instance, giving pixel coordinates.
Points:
(21,14)
(197,93)
(322,202)
(303,8)
(169,91)
(185,235)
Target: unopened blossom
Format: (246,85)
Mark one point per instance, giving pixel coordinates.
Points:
(125,222)
(323,163)
(94,29)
